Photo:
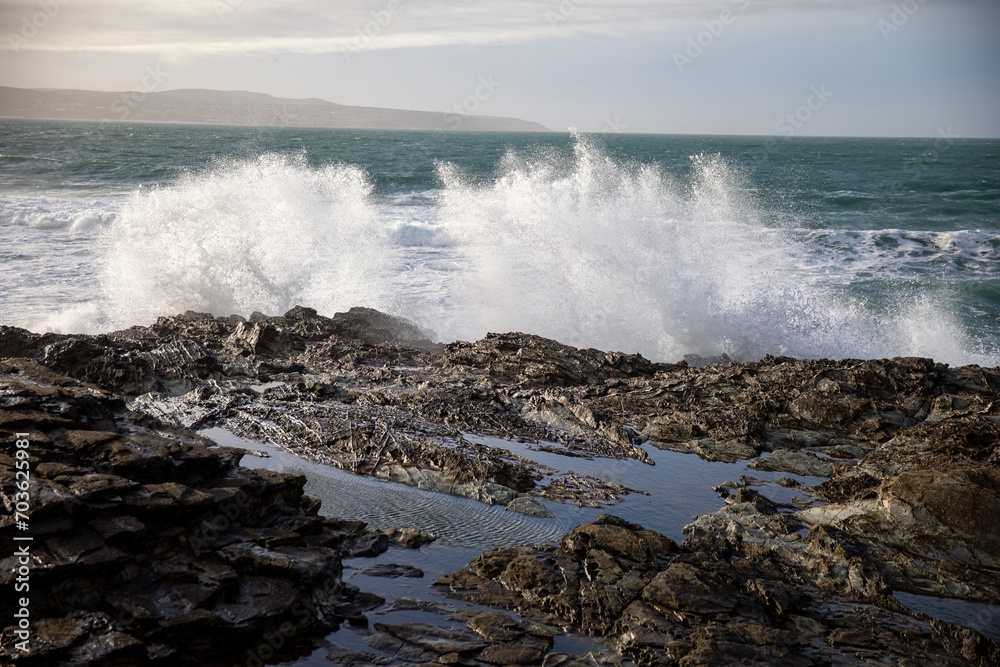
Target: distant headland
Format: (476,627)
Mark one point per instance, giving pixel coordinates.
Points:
(216,107)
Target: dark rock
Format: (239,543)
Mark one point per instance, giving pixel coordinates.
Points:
(158,529)
(16,342)
(964,500)
(713,600)
(338,655)
(413,604)
(760,503)
(411,538)
(530,506)
(498,627)
(544,361)
(434,639)
(367,545)
(265,339)
(392,570)
(301,313)
(620,539)
(377,328)
(511,654)
(795,462)
(910,447)
(683,590)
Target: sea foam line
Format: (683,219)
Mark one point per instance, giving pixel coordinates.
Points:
(576,246)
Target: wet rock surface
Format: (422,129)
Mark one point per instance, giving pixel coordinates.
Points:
(148,546)
(741,590)
(908,450)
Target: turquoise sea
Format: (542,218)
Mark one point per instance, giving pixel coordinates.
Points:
(664,245)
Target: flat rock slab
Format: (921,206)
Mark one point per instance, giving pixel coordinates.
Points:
(392,570)
(795,462)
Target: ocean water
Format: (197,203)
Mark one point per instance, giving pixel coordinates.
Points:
(663,245)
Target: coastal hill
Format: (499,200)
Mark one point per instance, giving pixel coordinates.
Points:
(217,107)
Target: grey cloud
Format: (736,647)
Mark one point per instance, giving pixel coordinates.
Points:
(314,26)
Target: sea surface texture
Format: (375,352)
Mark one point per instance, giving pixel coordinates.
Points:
(663,245)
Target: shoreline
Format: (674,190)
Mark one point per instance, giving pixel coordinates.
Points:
(911,501)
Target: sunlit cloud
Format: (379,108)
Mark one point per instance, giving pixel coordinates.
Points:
(717,66)
(231,27)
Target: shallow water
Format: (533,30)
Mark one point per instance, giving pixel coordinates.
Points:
(980,616)
(679,487)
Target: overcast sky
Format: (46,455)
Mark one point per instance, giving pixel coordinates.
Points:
(813,67)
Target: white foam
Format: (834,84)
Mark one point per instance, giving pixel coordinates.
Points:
(897,254)
(575,246)
(68,319)
(56,213)
(594,252)
(263,234)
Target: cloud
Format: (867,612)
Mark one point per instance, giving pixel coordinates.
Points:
(232,27)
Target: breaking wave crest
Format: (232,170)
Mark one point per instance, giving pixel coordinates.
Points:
(250,235)
(595,252)
(49,213)
(573,245)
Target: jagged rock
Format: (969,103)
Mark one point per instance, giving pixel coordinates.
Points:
(545,362)
(339,655)
(15,342)
(619,538)
(434,639)
(392,570)
(265,339)
(190,553)
(413,604)
(367,545)
(910,448)
(966,500)
(795,462)
(511,654)
(711,600)
(497,626)
(759,502)
(377,328)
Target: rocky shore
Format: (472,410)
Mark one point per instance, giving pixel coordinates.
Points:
(148,546)
(151,545)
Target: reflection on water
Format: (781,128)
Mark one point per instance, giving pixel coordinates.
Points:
(979,616)
(679,487)
(382,504)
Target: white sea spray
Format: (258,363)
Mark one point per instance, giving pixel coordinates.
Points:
(261,234)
